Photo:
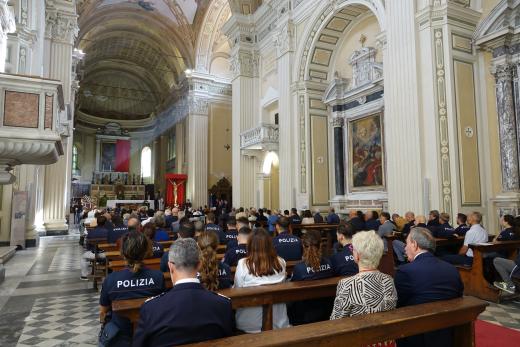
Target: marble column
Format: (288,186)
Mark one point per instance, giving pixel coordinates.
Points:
(61,30)
(288,145)
(7,25)
(507,128)
(339,158)
(198,152)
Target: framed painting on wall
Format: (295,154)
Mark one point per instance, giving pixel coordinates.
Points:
(366,154)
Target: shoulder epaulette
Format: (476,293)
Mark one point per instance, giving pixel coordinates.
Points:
(225,297)
(155,297)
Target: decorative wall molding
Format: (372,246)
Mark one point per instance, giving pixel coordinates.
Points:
(245,64)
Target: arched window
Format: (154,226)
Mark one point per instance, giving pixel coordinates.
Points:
(146,162)
(75,164)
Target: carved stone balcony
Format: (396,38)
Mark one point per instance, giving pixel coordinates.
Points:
(263,137)
(29,122)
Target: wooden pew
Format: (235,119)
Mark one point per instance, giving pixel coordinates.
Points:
(373,328)
(325,230)
(98,271)
(265,296)
(152,263)
(473,277)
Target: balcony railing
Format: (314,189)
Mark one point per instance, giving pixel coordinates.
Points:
(29,122)
(263,137)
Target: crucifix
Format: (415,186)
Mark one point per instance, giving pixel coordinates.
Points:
(175,190)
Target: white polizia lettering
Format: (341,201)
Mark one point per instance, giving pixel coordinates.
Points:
(349,258)
(135,282)
(323,267)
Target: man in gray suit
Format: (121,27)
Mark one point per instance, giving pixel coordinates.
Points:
(386,228)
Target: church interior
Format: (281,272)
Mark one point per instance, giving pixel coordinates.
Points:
(336,170)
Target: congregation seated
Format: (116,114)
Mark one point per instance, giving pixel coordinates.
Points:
(231,233)
(433,220)
(307,218)
(476,234)
(187,313)
(372,220)
(271,222)
(261,266)
(118,231)
(332,217)
(294,218)
(233,255)
(150,231)
(287,246)
(409,224)
(356,219)
(147,216)
(134,223)
(318,218)
(91,253)
(135,281)
(313,267)
(386,228)
(342,262)
(443,229)
(213,274)
(424,279)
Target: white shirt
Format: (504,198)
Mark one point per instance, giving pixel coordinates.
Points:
(418,254)
(476,234)
(250,319)
(187,280)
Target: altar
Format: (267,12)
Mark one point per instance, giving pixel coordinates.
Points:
(132,204)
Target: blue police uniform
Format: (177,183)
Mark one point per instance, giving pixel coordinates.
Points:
(187,313)
(231,238)
(109,226)
(233,255)
(217,230)
(288,246)
(164,263)
(97,233)
(225,277)
(116,234)
(372,224)
(303,272)
(343,263)
(462,229)
(444,230)
(507,234)
(333,218)
(157,250)
(309,311)
(161,235)
(126,284)
(295,219)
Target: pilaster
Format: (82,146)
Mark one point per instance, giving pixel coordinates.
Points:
(7,25)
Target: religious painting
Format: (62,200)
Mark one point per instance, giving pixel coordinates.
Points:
(108,156)
(366,154)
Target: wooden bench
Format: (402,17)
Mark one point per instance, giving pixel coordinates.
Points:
(98,270)
(325,230)
(473,277)
(265,296)
(460,314)
(152,263)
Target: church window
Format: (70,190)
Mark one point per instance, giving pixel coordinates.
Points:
(146,162)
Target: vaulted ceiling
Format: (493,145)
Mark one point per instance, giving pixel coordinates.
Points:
(136,52)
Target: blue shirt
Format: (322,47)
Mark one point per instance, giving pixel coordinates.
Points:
(233,255)
(225,277)
(343,263)
(507,235)
(271,222)
(116,234)
(372,224)
(161,235)
(97,233)
(157,250)
(125,284)
(217,230)
(333,218)
(303,272)
(443,230)
(231,235)
(295,219)
(462,229)
(288,246)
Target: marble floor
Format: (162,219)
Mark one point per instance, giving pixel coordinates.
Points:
(43,302)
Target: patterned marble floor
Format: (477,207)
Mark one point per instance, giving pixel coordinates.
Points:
(43,302)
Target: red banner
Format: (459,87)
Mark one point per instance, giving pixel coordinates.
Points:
(122,155)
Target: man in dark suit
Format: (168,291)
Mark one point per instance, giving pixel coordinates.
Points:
(188,313)
(426,279)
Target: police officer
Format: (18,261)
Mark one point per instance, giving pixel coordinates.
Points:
(118,231)
(232,233)
(211,226)
(238,252)
(188,313)
(444,229)
(463,226)
(132,282)
(294,217)
(343,263)
(100,232)
(288,246)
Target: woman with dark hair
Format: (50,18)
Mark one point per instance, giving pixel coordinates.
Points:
(135,281)
(313,267)
(511,230)
(343,263)
(213,274)
(261,266)
(157,250)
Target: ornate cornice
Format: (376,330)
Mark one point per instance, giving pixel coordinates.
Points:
(245,64)
(284,39)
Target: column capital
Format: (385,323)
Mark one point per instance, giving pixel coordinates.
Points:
(61,21)
(503,72)
(337,122)
(199,106)
(245,63)
(284,38)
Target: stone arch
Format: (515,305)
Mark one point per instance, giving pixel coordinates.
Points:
(217,14)
(336,19)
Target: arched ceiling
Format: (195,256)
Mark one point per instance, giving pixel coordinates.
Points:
(135,52)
